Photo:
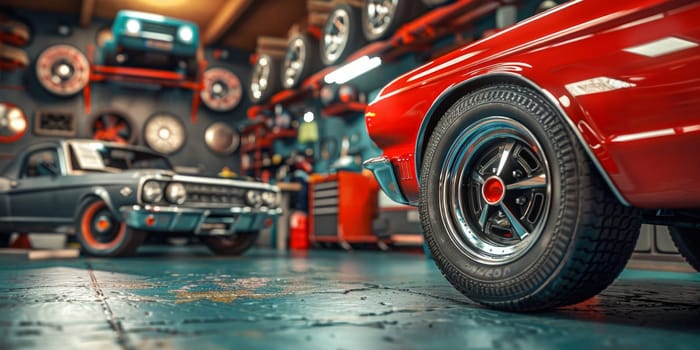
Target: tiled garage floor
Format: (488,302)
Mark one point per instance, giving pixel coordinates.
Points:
(186,299)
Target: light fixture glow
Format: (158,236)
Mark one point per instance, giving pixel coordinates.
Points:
(185,34)
(309,117)
(133,26)
(352,70)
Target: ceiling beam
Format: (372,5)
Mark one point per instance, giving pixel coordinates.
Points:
(87,9)
(229,12)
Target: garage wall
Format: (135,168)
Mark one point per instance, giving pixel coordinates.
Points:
(21,88)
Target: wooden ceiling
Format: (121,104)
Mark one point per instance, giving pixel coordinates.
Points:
(231,23)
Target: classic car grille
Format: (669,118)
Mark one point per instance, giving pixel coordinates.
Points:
(159,28)
(215,195)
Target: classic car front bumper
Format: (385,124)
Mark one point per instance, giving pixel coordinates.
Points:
(386,177)
(220,221)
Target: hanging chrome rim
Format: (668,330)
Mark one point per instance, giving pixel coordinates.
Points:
(495,190)
(259,81)
(379,14)
(336,34)
(294,63)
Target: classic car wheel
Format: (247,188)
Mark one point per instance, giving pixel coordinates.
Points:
(231,245)
(515,214)
(300,60)
(687,241)
(264,78)
(380,18)
(101,233)
(341,35)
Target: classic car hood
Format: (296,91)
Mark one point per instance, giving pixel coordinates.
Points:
(496,53)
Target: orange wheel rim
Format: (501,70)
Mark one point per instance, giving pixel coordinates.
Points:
(86,226)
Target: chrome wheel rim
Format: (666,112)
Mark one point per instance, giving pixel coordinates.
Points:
(294,62)
(336,34)
(495,191)
(379,15)
(260,78)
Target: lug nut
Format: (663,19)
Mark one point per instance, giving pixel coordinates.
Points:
(520,200)
(517,173)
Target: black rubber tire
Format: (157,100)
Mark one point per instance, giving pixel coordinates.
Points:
(311,61)
(404,12)
(587,235)
(124,244)
(354,40)
(231,245)
(687,241)
(273,80)
(5,239)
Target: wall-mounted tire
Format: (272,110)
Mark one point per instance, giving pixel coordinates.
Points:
(300,61)
(101,233)
(231,245)
(341,35)
(687,241)
(264,78)
(62,70)
(114,126)
(381,18)
(515,214)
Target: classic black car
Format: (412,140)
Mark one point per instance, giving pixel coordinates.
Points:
(111,195)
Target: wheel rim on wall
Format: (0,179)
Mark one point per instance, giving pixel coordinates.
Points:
(379,14)
(495,190)
(164,133)
(62,70)
(222,90)
(336,34)
(294,63)
(113,126)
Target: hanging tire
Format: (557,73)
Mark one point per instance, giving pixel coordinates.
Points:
(380,18)
(62,70)
(231,245)
(100,233)
(264,78)
(300,60)
(515,215)
(341,34)
(687,241)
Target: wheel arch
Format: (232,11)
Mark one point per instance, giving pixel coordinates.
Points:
(98,193)
(451,95)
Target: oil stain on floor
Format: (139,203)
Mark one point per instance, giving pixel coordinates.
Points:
(328,300)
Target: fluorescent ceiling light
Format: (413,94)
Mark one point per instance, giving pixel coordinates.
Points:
(352,70)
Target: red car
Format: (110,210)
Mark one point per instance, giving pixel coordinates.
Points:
(536,153)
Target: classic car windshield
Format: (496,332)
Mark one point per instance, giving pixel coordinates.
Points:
(107,158)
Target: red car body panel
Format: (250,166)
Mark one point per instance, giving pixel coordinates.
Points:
(626,75)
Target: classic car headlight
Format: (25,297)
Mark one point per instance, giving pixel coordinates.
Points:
(152,192)
(185,34)
(133,26)
(270,199)
(176,193)
(253,198)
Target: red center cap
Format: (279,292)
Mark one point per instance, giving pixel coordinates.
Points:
(493,190)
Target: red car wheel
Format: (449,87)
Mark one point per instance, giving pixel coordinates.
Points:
(101,233)
(519,218)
